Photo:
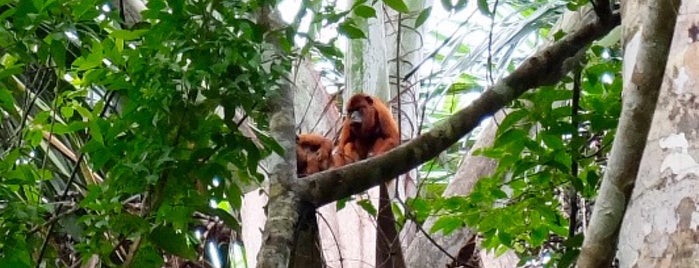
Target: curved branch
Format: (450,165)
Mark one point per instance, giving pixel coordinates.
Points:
(543,68)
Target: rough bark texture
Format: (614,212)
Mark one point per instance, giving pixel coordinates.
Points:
(306,251)
(660,227)
(544,68)
(646,54)
(316,112)
(283,205)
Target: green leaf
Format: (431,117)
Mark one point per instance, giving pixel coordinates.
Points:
(447,224)
(365,11)
(511,136)
(269,142)
(483,7)
(99,154)
(16,255)
(558,35)
(329,51)
(553,141)
(560,229)
(422,17)
(511,119)
(173,242)
(447,5)
(568,258)
(95,131)
(225,216)
(148,256)
(128,35)
(575,241)
(397,5)
(7,101)
(340,204)
(539,235)
(505,237)
(67,112)
(34,137)
(498,193)
(460,5)
(420,207)
(235,196)
(12,70)
(367,206)
(58,53)
(348,29)
(454,203)
(70,128)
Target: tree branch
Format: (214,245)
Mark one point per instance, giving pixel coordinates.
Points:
(543,68)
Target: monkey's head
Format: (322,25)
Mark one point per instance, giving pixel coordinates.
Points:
(361,115)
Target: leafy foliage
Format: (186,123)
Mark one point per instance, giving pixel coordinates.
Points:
(518,207)
(120,136)
(154,109)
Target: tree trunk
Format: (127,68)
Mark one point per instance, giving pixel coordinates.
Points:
(284,205)
(646,50)
(660,225)
(315,111)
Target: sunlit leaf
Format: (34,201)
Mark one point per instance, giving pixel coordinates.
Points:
(484,8)
(351,31)
(367,206)
(397,5)
(446,224)
(365,11)
(128,35)
(422,17)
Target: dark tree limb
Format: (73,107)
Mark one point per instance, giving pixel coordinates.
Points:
(543,68)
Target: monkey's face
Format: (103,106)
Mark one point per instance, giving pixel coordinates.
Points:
(360,111)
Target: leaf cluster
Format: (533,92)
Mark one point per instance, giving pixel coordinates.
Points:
(545,152)
(153,115)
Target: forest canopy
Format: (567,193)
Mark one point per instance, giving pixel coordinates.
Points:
(165,133)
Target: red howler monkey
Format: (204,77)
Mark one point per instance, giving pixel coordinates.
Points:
(313,154)
(369,130)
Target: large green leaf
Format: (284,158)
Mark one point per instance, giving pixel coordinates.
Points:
(397,5)
(171,241)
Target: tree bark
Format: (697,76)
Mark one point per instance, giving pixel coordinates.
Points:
(660,225)
(283,205)
(645,55)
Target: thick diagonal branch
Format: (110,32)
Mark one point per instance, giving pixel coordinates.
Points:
(544,68)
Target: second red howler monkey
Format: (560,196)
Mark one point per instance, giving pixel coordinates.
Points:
(369,130)
(313,154)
